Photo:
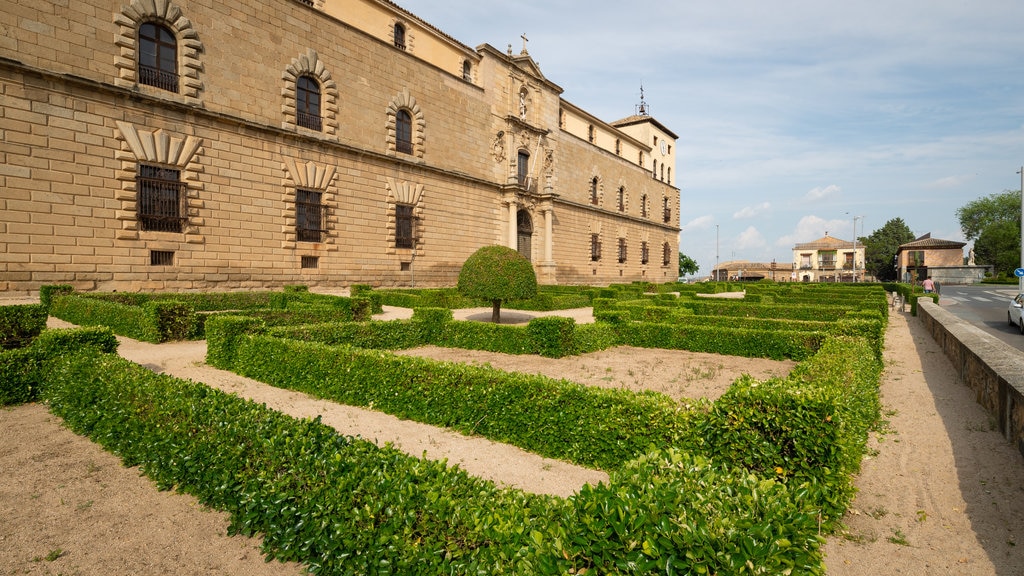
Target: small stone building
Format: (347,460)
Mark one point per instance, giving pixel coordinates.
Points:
(943,260)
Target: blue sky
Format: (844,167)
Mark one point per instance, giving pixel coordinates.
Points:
(793,116)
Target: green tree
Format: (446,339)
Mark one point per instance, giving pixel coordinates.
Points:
(687,265)
(881,246)
(993,222)
(497,273)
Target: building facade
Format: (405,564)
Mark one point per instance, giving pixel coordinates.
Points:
(943,260)
(236,144)
(828,259)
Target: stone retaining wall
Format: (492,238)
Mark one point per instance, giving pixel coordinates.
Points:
(992,368)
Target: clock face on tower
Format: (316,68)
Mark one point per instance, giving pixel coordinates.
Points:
(664,148)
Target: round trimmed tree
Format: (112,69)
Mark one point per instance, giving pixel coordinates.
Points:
(497,273)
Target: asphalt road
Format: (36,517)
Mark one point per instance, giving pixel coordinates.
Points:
(985,307)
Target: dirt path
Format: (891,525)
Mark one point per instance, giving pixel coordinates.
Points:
(941,494)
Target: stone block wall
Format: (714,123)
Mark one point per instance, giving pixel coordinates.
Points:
(993,369)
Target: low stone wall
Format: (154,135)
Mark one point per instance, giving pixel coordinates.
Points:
(992,368)
(958,274)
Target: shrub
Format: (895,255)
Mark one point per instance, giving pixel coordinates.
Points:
(552,336)
(48,291)
(20,324)
(222,336)
(22,370)
(497,274)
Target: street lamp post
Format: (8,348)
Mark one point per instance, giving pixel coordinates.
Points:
(717,273)
(855,218)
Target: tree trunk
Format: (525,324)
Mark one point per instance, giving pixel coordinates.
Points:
(496,311)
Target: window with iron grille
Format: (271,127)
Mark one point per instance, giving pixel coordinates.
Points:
(400,36)
(309,261)
(621,199)
(403,226)
(161,199)
(307,103)
(593,190)
(666,254)
(622,250)
(310,216)
(645,255)
(403,132)
(595,247)
(158,57)
(161,258)
(307,2)
(666,211)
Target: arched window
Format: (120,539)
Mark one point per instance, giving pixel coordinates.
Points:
(403,132)
(654,172)
(158,57)
(307,103)
(593,191)
(643,206)
(620,200)
(591,135)
(399,36)
(523,167)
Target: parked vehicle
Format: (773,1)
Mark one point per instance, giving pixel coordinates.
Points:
(1013,313)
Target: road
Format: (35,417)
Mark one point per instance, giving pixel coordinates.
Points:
(985,307)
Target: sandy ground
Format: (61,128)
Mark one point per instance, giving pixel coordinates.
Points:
(941,492)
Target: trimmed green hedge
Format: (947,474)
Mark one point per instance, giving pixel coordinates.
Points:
(534,412)
(20,324)
(751,343)
(340,505)
(811,427)
(21,370)
(343,506)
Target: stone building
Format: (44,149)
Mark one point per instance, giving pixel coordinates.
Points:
(828,259)
(234,144)
(943,260)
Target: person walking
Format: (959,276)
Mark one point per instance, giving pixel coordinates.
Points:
(928,285)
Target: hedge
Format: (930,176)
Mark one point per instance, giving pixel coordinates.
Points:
(21,369)
(556,418)
(343,506)
(19,324)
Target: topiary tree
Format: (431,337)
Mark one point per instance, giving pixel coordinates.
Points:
(497,273)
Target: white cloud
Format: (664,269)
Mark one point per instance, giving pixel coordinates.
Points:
(949,181)
(752,211)
(698,223)
(812,227)
(819,193)
(750,239)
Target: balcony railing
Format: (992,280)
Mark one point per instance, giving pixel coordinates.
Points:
(163,79)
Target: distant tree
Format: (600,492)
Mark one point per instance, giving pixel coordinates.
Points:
(993,222)
(881,246)
(497,273)
(687,265)
(999,245)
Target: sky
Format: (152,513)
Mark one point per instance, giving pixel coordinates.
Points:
(795,118)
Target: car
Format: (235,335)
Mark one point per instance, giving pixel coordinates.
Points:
(1013,313)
